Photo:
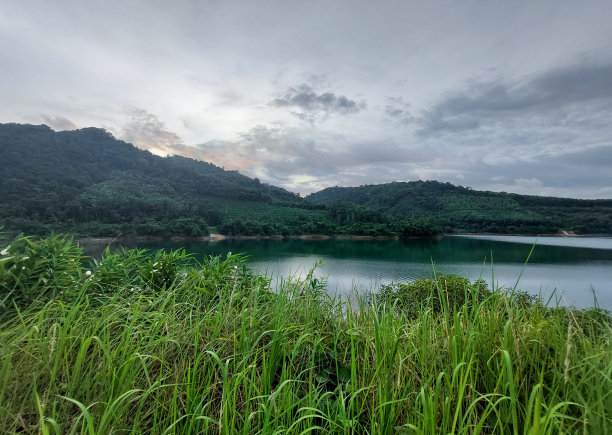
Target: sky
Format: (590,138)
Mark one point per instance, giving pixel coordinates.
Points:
(495,95)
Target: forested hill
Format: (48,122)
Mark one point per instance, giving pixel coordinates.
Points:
(88,183)
(462,209)
(60,179)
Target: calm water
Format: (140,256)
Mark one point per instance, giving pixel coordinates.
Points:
(573,270)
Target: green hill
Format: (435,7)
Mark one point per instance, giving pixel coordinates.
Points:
(461,209)
(91,184)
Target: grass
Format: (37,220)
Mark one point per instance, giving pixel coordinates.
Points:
(160,343)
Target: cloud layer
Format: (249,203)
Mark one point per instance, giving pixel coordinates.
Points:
(584,87)
(312,94)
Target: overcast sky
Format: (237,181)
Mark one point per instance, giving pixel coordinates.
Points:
(497,95)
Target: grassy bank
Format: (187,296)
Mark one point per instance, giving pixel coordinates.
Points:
(139,343)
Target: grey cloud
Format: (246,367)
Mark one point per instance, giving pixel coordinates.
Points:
(590,158)
(312,105)
(433,124)
(294,159)
(573,84)
(567,174)
(58,123)
(397,109)
(393,112)
(146,131)
(285,156)
(575,88)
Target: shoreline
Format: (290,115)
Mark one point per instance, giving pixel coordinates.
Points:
(356,237)
(219,237)
(566,235)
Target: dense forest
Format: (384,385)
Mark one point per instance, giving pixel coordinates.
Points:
(461,209)
(88,183)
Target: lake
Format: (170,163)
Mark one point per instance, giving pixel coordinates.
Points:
(570,270)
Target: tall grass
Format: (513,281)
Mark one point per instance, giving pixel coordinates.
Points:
(160,343)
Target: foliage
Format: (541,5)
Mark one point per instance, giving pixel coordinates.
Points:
(31,270)
(355,219)
(91,184)
(160,272)
(437,294)
(116,271)
(334,219)
(461,209)
(215,350)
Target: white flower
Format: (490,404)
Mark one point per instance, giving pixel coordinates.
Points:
(4,251)
(88,273)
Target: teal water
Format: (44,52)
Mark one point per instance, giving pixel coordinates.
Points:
(571,271)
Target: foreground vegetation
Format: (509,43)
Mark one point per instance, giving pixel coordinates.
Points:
(138,342)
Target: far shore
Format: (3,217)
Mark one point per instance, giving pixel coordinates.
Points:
(219,237)
(565,234)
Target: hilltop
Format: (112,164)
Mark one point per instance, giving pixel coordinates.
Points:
(461,209)
(91,184)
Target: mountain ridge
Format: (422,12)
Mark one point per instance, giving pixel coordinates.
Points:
(89,183)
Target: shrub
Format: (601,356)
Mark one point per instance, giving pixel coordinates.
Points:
(444,290)
(217,274)
(160,271)
(116,271)
(38,269)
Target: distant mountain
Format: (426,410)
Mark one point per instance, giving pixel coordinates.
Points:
(89,183)
(461,209)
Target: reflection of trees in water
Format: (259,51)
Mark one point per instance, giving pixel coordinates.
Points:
(445,250)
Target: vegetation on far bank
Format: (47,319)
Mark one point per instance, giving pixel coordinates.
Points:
(461,209)
(144,342)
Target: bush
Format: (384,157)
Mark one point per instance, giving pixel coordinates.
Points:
(116,271)
(217,274)
(444,290)
(160,271)
(40,269)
